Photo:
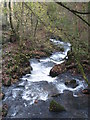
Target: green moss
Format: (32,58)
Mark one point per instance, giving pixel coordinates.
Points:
(73,81)
(70,82)
(9,65)
(82,72)
(56,107)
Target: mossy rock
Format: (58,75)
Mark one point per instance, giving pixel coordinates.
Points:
(71,83)
(56,107)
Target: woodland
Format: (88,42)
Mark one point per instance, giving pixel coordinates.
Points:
(35,36)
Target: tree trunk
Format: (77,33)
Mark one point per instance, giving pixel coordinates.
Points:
(14,36)
(89,30)
(32,22)
(35,28)
(10,17)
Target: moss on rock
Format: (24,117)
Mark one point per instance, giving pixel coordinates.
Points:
(71,83)
(56,107)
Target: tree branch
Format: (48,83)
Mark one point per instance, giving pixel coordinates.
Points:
(34,13)
(10,17)
(79,12)
(60,29)
(74,12)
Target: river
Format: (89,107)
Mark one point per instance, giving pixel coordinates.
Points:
(39,86)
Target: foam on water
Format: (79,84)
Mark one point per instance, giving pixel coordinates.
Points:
(61,86)
(59,56)
(39,73)
(34,92)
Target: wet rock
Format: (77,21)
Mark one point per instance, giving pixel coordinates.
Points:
(27,70)
(4,110)
(55,95)
(37,57)
(57,69)
(36,101)
(2,95)
(86,91)
(56,107)
(27,75)
(71,83)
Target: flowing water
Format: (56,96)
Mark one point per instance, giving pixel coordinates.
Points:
(39,85)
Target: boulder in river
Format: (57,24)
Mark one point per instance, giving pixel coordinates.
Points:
(2,95)
(57,69)
(56,107)
(86,91)
(71,83)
